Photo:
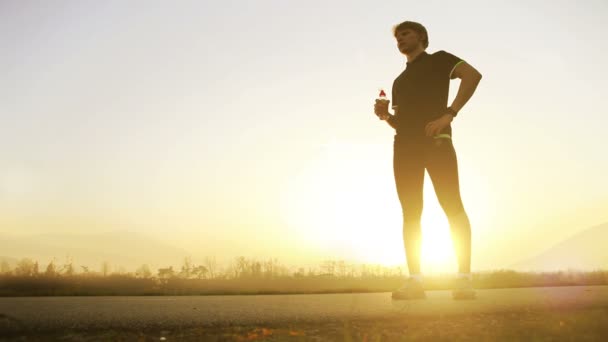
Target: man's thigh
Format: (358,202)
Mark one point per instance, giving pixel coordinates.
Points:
(408,169)
(442,166)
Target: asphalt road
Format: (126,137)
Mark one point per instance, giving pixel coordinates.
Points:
(140,313)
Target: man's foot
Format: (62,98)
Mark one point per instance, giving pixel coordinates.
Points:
(411,290)
(463,289)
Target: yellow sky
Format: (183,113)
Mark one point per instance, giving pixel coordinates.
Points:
(241,129)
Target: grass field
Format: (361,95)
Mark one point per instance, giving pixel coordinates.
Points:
(129,285)
(571,325)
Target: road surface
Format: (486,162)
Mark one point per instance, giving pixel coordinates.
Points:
(141,313)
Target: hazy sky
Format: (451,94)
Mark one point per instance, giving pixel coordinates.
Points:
(246,127)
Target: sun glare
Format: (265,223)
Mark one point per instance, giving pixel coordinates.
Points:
(345,206)
(437,250)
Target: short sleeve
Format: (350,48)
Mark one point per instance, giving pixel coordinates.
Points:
(447,62)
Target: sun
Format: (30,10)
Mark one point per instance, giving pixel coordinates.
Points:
(437,249)
(345,208)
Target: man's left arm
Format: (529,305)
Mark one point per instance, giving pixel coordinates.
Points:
(469,79)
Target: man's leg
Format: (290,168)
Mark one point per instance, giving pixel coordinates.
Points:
(408,168)
(442,166)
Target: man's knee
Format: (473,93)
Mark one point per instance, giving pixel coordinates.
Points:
(412,214)
(411,222)
(458,219)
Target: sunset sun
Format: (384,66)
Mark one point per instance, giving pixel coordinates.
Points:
(350,209)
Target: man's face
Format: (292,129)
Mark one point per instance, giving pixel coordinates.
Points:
(407,40)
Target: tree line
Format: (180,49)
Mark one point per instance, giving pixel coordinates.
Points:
(250,276)
(240,267)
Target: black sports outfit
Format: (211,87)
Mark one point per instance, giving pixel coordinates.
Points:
(421,94)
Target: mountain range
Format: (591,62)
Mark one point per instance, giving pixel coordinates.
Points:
(585,251)
(119,248)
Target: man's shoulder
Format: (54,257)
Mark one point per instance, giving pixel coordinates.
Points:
(400,76)
(444,58)
(440,53)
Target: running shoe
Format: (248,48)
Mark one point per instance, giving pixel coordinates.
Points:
(411,290)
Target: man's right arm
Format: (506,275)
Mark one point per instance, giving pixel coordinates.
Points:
(391,119)
(381,110)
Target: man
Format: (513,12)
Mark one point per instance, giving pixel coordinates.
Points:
(423,140)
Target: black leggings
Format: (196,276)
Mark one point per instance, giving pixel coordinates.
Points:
(438,157)
(410,158)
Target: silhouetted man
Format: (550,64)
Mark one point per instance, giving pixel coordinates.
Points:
(423,140)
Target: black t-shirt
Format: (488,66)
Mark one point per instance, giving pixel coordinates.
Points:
(421,92)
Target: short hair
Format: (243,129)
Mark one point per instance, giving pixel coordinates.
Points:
(417,27)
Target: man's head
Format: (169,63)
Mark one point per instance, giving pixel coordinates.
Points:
(410,36)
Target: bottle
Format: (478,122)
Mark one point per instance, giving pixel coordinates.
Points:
(382,98)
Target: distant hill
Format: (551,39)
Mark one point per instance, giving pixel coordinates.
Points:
(119,248)
(584,251)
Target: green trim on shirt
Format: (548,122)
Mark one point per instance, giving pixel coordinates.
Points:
(442,136)
(462,61)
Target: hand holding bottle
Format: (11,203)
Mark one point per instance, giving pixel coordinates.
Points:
(381,106)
